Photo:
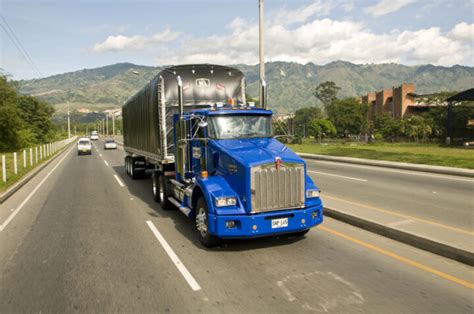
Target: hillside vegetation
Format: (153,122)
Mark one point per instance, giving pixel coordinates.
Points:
(290,84)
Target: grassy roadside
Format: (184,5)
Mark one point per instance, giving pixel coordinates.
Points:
(429,154)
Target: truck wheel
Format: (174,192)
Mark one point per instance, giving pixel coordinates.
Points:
(126,165)
(205,237)
(133,172)
(155,186)
(164,192)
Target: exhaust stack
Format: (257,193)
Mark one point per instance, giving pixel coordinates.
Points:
(180,96)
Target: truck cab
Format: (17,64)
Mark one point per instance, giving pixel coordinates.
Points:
(236,180)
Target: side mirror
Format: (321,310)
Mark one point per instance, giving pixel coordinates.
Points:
(203,124)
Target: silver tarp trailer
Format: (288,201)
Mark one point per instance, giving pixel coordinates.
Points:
(148,115)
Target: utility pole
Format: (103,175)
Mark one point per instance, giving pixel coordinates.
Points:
(68,122)
(107,124)
(113,123)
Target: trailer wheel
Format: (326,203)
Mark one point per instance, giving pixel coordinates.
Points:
(164,192)
(202,226)
(155,186)
(126,165)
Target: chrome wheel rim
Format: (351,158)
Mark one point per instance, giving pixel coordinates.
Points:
(201,222)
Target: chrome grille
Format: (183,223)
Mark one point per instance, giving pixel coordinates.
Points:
(275,189)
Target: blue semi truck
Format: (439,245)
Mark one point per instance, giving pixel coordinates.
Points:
(213,156)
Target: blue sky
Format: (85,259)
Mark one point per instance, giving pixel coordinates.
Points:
(64,36)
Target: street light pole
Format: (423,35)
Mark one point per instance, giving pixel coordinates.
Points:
(68,122)
(261,54)
(113,124)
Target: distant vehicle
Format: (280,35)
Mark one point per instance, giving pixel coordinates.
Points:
(110,144)
(94,136)
(84,146)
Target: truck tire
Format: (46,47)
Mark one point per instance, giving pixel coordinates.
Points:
(164,192)
(205,237)
(126,165)
(155,185)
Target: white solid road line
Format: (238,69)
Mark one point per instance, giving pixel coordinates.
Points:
(106,163)
(12,215)
(174,258)
(118,180)
(335,175)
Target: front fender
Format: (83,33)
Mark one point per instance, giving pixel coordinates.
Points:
(215,187)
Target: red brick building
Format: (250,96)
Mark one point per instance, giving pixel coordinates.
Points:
(399,102)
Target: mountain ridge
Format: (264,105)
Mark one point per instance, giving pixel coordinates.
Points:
(290,84)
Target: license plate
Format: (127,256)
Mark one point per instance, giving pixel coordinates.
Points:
(279,223)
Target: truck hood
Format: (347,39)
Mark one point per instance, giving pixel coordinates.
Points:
(255,151)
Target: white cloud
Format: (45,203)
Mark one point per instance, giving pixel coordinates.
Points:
(304,38)
(121,43)
(322,41)
(302,14)
(463,32)
(387,6)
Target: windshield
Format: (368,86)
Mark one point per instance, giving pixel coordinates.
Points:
(110,141)
(240,126)
(84,143)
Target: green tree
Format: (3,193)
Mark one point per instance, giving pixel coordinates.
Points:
(387,126)
(24,120)
(10,120)
(349,116)
(326,93)
(37,115)
(303,116)
(416,127)
(321,128)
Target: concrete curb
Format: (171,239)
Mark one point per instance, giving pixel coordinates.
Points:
(29,176)
(425,244)
(394,165)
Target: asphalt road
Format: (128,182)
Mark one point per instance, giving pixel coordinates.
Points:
(443,199)
(84,242)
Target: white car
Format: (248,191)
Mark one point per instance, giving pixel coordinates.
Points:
(110,144)
(94,136)
(84,146)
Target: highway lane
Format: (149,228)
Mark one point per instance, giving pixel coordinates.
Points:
(440,198)
(82,244)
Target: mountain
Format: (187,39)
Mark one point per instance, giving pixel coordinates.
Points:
(290,85)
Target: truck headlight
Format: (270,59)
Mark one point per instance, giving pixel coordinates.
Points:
(226,201)
(312,193)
